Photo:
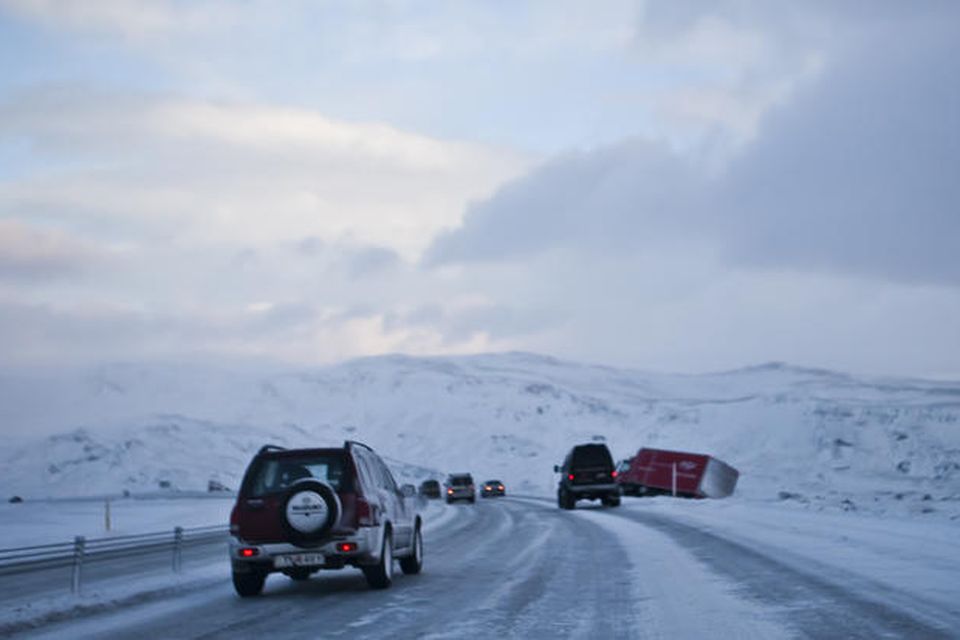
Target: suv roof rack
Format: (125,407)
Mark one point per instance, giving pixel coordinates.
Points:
(270,447)
(353,443)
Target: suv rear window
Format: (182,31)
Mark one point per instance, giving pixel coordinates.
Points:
(592,455)
(461,481)
(276,473)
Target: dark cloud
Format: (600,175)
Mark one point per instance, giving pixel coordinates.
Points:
(858,173)
(604,200)
(862,173)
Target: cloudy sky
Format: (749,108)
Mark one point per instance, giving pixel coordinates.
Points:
(680,186)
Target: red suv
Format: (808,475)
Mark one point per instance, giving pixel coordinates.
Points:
(302,510)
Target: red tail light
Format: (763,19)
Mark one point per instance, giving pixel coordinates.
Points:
(366,513)
(613,474)
(249,552)
(346,547)
(570,477)
(500,487)
(449,492)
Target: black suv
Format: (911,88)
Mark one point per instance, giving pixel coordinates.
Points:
(587,473)
(302,510)
(430,489)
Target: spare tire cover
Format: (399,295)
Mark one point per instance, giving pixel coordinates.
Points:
(310,509)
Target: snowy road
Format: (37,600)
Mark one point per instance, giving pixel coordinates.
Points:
(523,568)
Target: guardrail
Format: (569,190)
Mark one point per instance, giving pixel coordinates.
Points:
(74,555)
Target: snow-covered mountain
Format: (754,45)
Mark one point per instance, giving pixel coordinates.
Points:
(815,436)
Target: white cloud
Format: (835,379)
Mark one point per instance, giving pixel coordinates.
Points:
(134,20)
(201,172)
(794,198)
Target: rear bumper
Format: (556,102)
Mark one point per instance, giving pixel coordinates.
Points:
(367,539)
(592,491)
(460,494)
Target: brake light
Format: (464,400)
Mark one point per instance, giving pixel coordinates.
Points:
(449,492)
(500,487)
(613,474)
(249,552)
(346,547)
(570,477)
(366,513)
(486,487)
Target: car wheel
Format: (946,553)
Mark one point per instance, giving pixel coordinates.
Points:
(565,499)
(611,501)
(412,564)
(249,584)
(380,575)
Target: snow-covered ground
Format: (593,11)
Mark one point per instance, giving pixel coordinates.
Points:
(521,567)
(54,521)
(814,438)
(848,507)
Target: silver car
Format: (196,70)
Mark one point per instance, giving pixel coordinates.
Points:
(459,486)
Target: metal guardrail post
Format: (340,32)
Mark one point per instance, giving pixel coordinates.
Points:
(177,549)
(78,548)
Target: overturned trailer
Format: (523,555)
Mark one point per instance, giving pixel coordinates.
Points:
(678,473)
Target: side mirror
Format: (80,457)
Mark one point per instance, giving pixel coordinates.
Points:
(556,468)
(408,491)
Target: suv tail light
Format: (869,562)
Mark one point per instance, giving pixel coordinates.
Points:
(570,477)
(366,513)
(613,474)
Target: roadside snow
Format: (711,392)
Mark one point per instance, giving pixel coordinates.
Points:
(54,521)
(889,558)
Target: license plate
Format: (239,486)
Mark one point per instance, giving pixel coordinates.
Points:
(299,560)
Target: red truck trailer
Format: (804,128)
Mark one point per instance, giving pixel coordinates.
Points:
(690,475)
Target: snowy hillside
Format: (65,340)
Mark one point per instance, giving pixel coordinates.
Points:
(812,436)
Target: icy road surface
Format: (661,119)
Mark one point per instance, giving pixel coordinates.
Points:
(522,568)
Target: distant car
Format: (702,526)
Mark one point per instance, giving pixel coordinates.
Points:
(302,510)
(492,488)
(430,489)
(587,473)
(460,487)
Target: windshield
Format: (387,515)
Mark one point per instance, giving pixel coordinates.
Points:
(273,475)
(592,456)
